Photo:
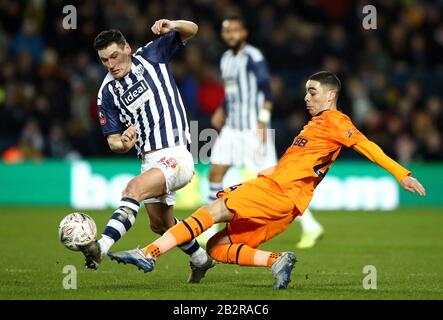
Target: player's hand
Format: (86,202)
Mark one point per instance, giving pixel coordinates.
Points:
(262,132)
(129,137)
(218,118)
(412,185)
(163,26)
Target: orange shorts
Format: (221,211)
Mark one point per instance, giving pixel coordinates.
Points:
(261,210)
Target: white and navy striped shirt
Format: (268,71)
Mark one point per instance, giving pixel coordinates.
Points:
(247,85)
(147,96)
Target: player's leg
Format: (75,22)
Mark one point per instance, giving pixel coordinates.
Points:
(261,212)
(222,155)
(216,175)
(223,250)
(161,218)
(312,230)
(150,183)
(181,233)
(177,166)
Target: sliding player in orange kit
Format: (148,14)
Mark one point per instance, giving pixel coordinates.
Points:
(261,208)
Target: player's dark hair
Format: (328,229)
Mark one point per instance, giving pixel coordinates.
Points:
(107,37)
(327,79)
(236,17)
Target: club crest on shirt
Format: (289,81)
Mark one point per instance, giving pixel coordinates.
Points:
(139,70)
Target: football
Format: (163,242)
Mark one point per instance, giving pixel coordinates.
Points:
(76,229)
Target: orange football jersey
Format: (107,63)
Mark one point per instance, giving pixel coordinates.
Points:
(312,153)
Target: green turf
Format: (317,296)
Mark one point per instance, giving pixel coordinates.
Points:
(405,246)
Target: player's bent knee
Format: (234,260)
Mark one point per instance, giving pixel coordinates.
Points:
(217,244)
(219,211)
(158,229)
(145,187)
(133,190)
(211,244)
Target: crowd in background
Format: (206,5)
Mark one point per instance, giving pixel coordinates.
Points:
(392,76)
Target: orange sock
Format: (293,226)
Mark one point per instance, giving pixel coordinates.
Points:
(182,232)
(190,228)
(242,255)
(152,251)
(272,258)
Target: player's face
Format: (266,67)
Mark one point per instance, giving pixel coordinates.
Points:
(318,97)
(233,33)
(116,59)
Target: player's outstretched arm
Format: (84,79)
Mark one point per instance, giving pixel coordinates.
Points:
(186,29)
(374,153)
(122,143)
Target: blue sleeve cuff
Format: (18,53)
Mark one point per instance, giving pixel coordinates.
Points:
(266,88)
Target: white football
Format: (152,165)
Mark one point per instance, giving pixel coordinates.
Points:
(77,229)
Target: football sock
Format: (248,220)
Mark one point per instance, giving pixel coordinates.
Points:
(121,221)
(200,257)
(308,222)
(272,258)
(105,243)
(234,254)
(182,232)
(243,255)
(214,187)
(192,248)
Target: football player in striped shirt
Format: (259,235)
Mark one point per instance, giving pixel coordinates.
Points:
(140,106)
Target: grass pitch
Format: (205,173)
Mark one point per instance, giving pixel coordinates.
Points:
(405,247)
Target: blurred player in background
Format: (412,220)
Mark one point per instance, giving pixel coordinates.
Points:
(139,105)
(261,208)
(245,138)
(243,119)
